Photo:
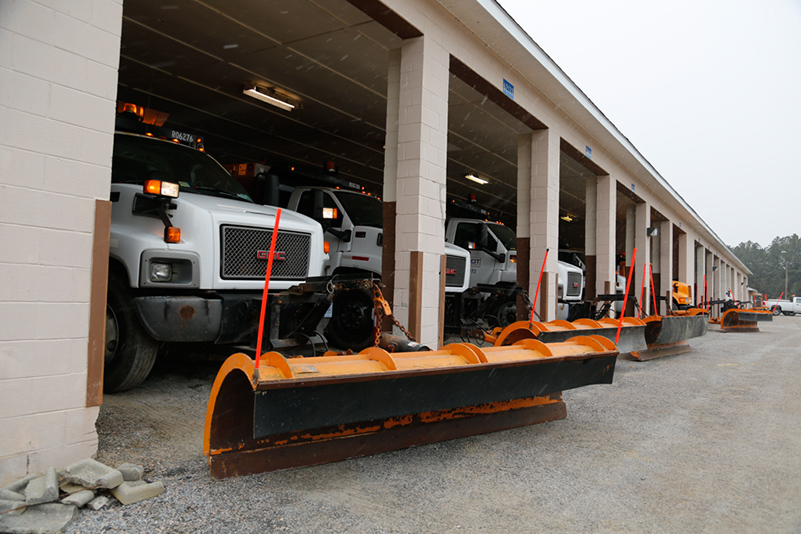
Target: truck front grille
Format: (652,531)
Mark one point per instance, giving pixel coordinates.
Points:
(245,250)
(573,284)
(456,267)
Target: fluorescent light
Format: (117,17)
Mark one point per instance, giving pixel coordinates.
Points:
(567,218)
(476,179)
(264,97)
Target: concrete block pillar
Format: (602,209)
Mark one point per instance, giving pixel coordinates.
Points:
(700,269)
(523,230)
(590,218)
(605,233)
(544,218)
(686,257)
(420,186)
(642,213)
(714,290)
(665,258)
(710,261)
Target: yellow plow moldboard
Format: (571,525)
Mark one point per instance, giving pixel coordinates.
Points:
(306,411)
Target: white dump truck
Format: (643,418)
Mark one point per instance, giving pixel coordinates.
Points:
(353,224)
(493,262)
(188,254)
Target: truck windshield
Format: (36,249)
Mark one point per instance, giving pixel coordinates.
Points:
(505,235)
(137,159)
(362,209)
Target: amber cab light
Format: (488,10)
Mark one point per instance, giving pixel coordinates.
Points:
(326,246)
(513,259)
(172,235)
(157,187)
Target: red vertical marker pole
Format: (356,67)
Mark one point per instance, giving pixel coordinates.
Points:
(626,297)
(267,285)
(537,293)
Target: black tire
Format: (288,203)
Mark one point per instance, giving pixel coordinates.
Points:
(503,314)
(777,310)
(791,314)
(351,323)
(129,351)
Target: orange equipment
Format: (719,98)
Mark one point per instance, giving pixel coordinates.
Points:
(305,411)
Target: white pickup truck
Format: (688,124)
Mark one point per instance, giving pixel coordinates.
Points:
(784,306)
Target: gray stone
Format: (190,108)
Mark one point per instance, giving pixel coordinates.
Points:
(69,487)
(131,472)
(19,485)
(98,502)
(131,492)
(9,495)
(79,499)
(11,507)
(92,474)
(43,489)
(42,519)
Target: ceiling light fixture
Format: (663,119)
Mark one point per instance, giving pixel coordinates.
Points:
(567,217)
(269,96)
(476,179)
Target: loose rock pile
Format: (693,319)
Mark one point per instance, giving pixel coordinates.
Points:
(32,503)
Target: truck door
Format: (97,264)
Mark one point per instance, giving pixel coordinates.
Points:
(482,264)
(331,220)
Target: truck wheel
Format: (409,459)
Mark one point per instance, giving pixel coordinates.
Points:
(504,314)
(351,324)
(777,310)
(129,352)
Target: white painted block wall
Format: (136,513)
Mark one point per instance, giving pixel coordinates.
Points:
(58,84)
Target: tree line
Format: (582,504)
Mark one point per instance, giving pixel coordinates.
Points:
(773,265)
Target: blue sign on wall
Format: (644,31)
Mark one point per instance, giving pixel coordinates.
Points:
(588,152)
(508,89)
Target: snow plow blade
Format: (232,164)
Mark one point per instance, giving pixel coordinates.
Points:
(668,335)
(736,320)
(632,333)
(307,411)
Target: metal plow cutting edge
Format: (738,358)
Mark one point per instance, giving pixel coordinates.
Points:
(632,332)
(668,335)
(306,411)
(737,320)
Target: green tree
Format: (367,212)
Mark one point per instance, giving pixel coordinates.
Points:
(780,262)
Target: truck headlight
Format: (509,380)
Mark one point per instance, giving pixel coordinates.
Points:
(160,272)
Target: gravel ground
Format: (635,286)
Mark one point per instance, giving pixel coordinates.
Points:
(708,441)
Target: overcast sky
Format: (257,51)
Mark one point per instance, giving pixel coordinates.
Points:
(708,91)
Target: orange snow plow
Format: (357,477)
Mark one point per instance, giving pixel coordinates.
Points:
(743,320)
(632,333)
(668,335)
(296,412)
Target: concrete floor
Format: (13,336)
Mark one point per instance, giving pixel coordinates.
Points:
(708,441)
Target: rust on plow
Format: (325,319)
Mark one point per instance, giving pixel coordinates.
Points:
(668,335)
(307,411)
(738,320)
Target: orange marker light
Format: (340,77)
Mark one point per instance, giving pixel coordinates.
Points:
(172,235)
(326,247)
(153,187)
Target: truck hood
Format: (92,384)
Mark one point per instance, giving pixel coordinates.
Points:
(240,211)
